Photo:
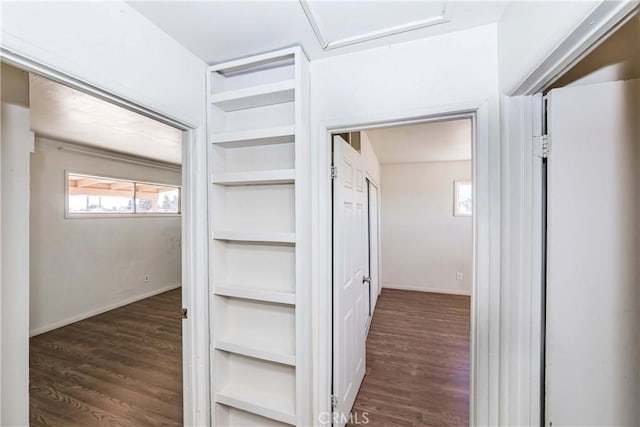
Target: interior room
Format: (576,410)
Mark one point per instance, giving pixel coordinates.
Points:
(105,259)
(208,183)
(417,273)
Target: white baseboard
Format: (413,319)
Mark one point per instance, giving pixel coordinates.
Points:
(86,315)
(422,289)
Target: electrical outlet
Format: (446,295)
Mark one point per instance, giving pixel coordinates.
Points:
(146,278)
(458,276)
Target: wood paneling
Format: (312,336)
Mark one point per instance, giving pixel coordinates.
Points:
(417,361)
(120,368)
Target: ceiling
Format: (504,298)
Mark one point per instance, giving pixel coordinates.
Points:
(66,114)
(430,142)
(218,31)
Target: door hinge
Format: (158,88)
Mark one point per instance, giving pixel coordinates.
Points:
(334,402)
(334,172)
(184,313)
(542,146)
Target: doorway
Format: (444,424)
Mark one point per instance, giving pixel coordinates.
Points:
(105,261)
(425,219)
(17,154)
(590,115)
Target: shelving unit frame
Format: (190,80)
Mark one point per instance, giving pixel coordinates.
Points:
(255,105)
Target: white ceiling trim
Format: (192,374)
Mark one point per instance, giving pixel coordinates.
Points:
(444,17)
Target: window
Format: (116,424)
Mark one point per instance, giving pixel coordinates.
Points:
(463,202)
(95,195)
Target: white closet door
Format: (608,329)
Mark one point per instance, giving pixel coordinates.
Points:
(592,274)
(350,299)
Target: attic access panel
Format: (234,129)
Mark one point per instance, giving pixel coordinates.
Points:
(338,24)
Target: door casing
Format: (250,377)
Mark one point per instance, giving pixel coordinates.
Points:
(486,255)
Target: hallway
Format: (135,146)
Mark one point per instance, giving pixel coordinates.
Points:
(417,361)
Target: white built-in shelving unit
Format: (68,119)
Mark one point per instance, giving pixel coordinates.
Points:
(260,256)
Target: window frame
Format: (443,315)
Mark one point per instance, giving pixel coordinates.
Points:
(456,194)
(134,214)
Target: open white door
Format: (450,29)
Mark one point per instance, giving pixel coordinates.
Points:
(350,299)
(593,328)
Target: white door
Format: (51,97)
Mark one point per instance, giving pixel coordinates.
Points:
(374,260)
(593,327)
(350,299)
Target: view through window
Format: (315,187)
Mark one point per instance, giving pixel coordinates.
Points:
(463,199)
(102,195)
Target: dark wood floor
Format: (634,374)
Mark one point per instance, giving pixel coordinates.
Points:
(120,368)
(417,361)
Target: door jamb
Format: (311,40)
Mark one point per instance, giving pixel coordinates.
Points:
(485,316)
(371,183)
(195,333)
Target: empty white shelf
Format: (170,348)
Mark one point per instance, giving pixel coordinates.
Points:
(258,96)
(273,135)
(263,404)
(280,176)
(249,351)
(256,294)
(255,236)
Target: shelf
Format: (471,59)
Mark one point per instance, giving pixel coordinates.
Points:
(258,139)
(274,135)
(255,236)
(246,350)
(256,294)
(258,96)
(257,403)
(280,176)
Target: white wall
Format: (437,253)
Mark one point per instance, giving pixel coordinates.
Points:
(16,143)
(111,45)
(423,244)
(84,266)
(528,31)
(399,80)
(445,69)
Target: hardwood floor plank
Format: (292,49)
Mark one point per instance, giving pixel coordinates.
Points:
(418,352)
(120,368)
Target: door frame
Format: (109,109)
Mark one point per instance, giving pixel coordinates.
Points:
(195,332)
(372,184)
(485,316)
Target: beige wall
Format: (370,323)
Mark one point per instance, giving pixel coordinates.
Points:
(371,163)
(423,244)
(83,266)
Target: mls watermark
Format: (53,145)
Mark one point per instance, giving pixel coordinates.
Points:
(349,419)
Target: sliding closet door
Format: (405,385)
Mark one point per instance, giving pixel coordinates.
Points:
(592,278)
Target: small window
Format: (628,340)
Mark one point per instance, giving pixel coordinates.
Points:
(463,202)
(89,195)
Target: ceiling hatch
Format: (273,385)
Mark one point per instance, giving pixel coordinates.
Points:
(339,24)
